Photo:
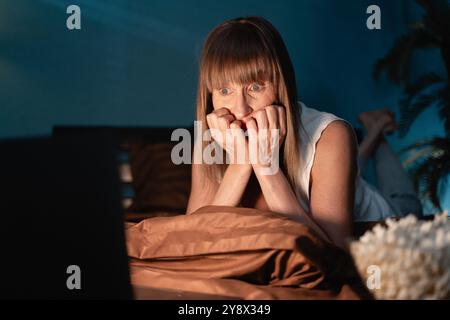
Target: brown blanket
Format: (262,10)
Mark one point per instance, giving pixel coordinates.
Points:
(239,253)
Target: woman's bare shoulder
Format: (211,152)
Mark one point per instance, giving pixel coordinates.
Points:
(338,134)
(336,146)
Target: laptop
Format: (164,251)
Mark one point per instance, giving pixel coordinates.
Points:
(62,220)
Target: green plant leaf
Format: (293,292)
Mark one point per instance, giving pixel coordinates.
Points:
(444,107)
(409,110)
(397,61)
(430,166)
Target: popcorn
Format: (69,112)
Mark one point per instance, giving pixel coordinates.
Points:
(413,258)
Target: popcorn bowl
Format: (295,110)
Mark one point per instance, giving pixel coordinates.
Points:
(407,259)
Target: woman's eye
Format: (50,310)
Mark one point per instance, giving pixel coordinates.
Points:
(224,91)
(256,87)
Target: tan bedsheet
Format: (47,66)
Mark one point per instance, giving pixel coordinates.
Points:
(239,253)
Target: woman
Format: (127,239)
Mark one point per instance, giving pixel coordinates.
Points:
(247,81)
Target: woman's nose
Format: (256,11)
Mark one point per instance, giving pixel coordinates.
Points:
(242,108)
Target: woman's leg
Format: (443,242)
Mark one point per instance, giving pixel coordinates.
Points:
(376,124)
(393,181)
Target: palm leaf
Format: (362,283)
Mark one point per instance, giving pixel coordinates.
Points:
(432,166)
(410,110)
(422,83)
(436,18)
(437,144)
(397,61)
(427,177)
(437,21)
(416,155)
(444,107)
(432,31)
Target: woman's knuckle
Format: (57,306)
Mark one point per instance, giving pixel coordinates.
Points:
(271,109)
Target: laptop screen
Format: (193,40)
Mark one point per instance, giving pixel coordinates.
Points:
(63,227)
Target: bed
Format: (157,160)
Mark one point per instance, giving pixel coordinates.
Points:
(239,253)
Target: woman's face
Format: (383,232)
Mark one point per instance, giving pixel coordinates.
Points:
(243,100)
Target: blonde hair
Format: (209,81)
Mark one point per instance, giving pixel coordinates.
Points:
(245,50)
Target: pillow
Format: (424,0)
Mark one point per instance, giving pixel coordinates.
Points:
(158,184)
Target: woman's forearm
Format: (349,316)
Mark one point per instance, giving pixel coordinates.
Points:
(233,185)
(281,198)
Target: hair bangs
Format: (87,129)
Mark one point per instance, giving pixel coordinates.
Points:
(241,59)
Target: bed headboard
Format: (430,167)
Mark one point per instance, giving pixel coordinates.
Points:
(151,183)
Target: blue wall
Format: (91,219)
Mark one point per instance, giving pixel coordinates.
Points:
(135,62)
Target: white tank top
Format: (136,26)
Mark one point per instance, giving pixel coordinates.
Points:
(369,205)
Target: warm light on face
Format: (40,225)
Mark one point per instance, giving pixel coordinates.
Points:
(242,100)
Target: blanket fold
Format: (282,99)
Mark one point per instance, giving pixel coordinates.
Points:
(240,253)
